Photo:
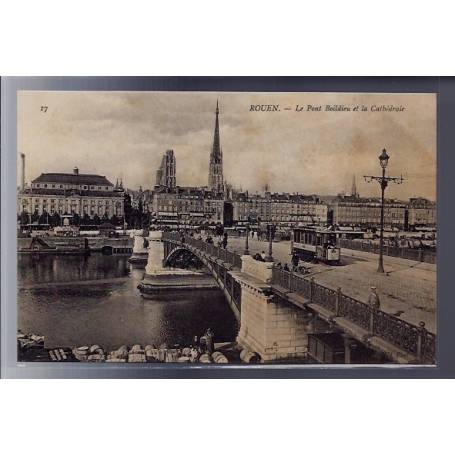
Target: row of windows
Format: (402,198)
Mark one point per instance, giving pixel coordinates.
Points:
(72,201)
(369,212)
(54,185)
(60,210)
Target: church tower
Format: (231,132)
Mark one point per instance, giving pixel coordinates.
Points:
(354,188)
(216,180)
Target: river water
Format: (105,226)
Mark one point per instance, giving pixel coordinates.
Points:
(75,301)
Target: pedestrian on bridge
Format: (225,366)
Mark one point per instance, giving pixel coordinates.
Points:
(258,257)
(373,298)
(295,262)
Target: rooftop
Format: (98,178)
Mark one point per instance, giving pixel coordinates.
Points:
(74,178)
(69,193)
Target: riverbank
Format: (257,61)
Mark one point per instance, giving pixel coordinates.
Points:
(31,348)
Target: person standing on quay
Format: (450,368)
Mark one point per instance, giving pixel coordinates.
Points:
(209,340)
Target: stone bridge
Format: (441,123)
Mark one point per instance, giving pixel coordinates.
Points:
(277,309)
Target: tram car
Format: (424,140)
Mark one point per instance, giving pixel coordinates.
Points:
(315,243)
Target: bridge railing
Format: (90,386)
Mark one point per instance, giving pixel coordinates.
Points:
(230,257)
(420,255)
(413,339)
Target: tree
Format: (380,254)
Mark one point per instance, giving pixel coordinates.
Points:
(146,220)
(86,219)
(55,219)
(96,219)
(128,209)
(140,214)
(24,217)
(43,218)
(35,216)
(76,219)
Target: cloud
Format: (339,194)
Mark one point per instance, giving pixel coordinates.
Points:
(124,134)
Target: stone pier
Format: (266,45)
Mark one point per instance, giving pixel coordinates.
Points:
(269,326)
(140,251)
(159,278)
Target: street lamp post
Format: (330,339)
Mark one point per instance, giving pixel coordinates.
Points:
(383,182)
(246,252)
(269,258)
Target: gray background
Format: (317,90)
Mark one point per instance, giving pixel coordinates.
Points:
(444,87)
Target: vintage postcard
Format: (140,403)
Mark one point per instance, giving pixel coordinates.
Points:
(226,227)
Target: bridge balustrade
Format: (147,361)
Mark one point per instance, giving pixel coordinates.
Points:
(326,297)
(230,257)
(396,331)
(419,255)
(355,311)
(411,338)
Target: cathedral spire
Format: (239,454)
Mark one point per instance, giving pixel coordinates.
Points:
(215,156)
(216,181)
(354,187)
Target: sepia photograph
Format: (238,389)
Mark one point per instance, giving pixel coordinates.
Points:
(226,227)
(223,228)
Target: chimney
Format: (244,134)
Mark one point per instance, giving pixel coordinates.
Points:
(76,170)
(23,172)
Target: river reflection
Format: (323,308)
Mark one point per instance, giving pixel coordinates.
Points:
(52,268)
(71,309)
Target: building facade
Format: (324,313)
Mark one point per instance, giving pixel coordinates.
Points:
(70,194)
(366,212)
(421,213)
(186,206)
(283,209)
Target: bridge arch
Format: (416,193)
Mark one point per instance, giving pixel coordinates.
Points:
(182,258)
(217,268)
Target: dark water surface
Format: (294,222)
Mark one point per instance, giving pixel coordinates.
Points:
(110,313)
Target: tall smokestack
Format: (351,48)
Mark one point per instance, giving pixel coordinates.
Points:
(23,172)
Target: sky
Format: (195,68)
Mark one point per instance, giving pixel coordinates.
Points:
(310,151)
